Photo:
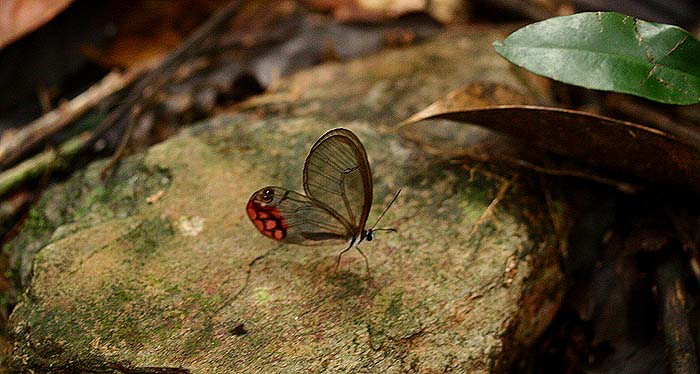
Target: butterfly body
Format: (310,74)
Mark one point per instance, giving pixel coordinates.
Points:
(338,197)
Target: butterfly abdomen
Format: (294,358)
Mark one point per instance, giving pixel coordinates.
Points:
(268,220)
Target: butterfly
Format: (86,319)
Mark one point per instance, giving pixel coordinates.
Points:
(337,200)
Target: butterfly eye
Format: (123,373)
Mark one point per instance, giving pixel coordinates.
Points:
(267,195)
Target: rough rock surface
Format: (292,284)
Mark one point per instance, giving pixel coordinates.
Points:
(159,267)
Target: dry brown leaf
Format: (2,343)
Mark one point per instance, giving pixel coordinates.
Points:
(622,148)
(20,17)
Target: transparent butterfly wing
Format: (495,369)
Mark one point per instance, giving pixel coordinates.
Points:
(337,174)
(291,217)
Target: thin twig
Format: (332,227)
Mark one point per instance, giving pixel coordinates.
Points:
(157,77)
(15,145)
(59,118)
(489,210)
(680,347)
(34,167)
(123,144)
(10,206)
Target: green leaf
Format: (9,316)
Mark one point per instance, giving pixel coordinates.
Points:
(613,52)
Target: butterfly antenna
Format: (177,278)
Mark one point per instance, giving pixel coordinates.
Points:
(384,212)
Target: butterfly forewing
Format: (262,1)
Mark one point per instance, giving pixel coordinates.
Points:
(337,175)
(291,217)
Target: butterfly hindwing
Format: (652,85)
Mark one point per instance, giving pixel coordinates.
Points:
(291,217)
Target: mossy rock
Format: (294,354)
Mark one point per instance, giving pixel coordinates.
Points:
(172,276)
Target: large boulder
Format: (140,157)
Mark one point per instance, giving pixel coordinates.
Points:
(158,268)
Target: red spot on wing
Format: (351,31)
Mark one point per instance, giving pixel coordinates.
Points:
(259,224)
(267,219)
(251,211)
(276,213)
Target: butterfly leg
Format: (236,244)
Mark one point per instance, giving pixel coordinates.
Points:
(365,257)
(337,260)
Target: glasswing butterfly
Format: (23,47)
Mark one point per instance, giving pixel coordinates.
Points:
(337,200)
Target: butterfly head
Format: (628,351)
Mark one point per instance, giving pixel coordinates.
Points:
(369,234)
